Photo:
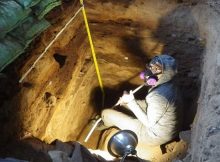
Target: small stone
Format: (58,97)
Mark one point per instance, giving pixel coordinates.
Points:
(212,131)
(185,136)
(126,58)
(50,83)
(173,35)
(59,156)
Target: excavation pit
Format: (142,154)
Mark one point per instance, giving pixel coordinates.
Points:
(61,94)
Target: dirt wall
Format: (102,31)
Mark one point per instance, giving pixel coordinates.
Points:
(205,143)
(60,95)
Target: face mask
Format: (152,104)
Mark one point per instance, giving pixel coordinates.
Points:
(148,77)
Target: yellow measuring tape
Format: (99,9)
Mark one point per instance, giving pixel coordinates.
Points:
(93,52)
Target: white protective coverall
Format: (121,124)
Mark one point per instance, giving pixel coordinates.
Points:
(160,119)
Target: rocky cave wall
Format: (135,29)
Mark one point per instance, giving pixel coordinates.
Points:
(205,143)
(61,94)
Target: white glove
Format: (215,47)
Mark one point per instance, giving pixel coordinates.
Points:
(126,98)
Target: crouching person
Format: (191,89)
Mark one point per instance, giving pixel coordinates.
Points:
(158,117)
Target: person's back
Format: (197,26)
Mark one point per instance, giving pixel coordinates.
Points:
(163,111)
(164,102)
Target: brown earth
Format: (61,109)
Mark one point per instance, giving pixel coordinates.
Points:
(61,94)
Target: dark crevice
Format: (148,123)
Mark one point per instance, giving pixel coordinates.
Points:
(61,59)
(27,85)
(47,95)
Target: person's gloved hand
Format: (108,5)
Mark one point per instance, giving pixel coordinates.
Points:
(126,98)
